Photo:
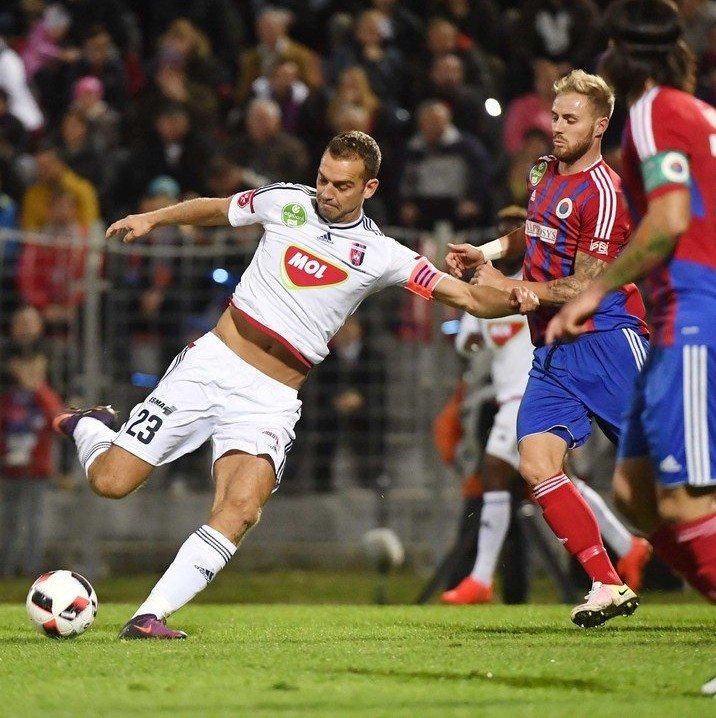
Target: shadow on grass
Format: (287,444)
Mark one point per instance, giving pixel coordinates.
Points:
(570,684)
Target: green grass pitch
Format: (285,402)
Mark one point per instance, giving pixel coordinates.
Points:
(276,659)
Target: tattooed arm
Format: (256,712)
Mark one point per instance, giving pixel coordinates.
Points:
(556,292)
(654,240)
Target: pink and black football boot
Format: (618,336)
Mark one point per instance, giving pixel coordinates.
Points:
(148,626)
(66,422)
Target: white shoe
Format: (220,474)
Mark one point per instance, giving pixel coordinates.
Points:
(604,601)
(709,688)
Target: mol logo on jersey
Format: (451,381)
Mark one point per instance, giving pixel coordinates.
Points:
(301,269)
(502,332)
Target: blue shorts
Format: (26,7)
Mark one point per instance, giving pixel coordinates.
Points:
(672,415)
(571,384)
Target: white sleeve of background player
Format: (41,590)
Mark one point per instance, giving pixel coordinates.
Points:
(469,327)
(412,271)
(250,207)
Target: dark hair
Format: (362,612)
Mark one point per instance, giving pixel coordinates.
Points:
(356,144)
(647,44)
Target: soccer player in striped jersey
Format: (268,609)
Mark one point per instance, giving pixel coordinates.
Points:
(665,476)
(320,256)
(577,224)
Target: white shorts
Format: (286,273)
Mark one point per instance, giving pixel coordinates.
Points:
(209,391)
(502,442)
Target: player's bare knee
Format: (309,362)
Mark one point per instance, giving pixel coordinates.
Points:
(237,515)
(533,471)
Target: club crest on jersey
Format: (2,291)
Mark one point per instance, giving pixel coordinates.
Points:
(293,215)
(357,253)
(537,173)
(246,198)
(302,269)
(564,208)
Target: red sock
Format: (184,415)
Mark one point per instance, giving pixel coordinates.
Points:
(690,549)
(574,524)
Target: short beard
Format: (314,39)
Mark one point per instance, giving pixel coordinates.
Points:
(571,155)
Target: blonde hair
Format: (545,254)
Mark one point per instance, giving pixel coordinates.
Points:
(592,86)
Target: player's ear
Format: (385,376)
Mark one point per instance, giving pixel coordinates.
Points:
(601,127)
(370,188)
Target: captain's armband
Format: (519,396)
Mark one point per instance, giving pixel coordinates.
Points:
(424,279)
(665,168)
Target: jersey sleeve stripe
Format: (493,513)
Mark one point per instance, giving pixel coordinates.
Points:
(600,215)
(602,177)
(641,125)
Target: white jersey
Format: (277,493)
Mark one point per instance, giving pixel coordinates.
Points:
(307,275)
(508,339)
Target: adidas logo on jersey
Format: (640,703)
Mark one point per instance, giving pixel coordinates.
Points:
(325,238)
(669,465)
(302,268)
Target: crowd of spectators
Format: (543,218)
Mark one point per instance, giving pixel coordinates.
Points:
(114,93)
(109,107)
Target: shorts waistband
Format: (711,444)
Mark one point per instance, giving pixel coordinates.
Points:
(276,386)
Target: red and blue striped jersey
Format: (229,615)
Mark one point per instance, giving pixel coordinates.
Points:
(581,212)
(669,142)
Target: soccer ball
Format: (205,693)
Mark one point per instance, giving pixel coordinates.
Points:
(61,604)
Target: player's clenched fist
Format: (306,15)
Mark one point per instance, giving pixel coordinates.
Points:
(523,300)
(133,225)
(462,258)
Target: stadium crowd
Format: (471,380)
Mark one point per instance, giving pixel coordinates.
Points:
(109,107)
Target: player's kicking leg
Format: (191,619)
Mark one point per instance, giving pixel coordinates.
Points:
(243,485)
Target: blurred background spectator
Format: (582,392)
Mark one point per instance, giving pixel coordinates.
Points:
(27,407)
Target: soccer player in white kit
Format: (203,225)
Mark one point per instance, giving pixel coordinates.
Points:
(320,256)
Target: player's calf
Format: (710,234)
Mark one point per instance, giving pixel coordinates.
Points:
(116,473)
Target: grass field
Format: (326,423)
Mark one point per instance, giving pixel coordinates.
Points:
(360,660)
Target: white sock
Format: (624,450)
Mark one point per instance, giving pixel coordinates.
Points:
(612,529)
(494,522)
(198,560)
(92,438)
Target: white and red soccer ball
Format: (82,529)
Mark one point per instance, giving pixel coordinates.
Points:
(61,604)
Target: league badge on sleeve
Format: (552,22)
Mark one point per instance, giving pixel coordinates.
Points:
(537,173)
(357,253)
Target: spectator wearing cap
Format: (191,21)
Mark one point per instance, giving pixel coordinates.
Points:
(102,60)
(275,44)
(104,122)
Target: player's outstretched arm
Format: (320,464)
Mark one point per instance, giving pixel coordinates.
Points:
(667,217)
(465,257)
(485,302)
(203,211)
